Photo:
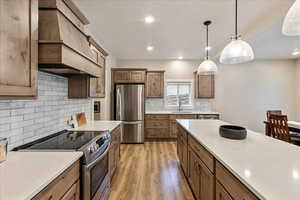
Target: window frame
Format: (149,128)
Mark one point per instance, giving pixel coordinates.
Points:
(185,82)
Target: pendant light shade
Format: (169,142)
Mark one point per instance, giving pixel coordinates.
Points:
(207,67)
(237,51)
(291,24)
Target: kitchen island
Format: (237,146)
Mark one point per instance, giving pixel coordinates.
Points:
(258,167)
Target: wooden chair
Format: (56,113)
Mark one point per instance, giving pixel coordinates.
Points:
(279,128)
(269,112)
(273,112)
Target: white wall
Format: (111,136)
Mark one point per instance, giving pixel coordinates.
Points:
(243,92)
(297,77)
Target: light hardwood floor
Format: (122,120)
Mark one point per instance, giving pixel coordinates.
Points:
(149,172)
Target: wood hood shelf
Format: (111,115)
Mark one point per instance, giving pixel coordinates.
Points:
(64,48)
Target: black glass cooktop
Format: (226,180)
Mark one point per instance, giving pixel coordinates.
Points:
(65,140)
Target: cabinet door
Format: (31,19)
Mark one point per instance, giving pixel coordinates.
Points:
(122,76)
(185,159)
(194,178)
(221,193)
(73,193)
(137,76)
(206,185)
(155,85)
(204,86)
(173,129)
(97,85)
(112,162)
(19,47)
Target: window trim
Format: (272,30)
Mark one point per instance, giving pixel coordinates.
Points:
(190,82)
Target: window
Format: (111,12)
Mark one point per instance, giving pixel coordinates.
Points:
(179,91)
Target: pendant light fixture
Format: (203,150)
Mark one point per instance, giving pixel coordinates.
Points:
(291,24)
(208,66)
(237,51)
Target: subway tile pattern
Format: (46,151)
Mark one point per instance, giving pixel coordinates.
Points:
(203,105)
(22,121)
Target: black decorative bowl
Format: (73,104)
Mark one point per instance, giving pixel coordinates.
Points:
(233,132)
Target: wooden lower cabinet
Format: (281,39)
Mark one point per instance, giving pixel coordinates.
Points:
(114,152)
(200,178)
(208,178)
(73,193)
(64,187)
(221,193)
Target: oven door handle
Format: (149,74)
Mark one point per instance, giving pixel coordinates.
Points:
(89,166)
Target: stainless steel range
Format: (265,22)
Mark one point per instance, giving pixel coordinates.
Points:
(95,182)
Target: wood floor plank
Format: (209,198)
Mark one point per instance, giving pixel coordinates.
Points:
(149,171)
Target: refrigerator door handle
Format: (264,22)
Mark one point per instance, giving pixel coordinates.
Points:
(119,104)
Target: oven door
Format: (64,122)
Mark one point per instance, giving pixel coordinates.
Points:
(96,177)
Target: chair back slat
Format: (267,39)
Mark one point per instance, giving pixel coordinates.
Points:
(279,127)
(274,112)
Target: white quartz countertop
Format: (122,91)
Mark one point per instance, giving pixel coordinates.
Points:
(24,174)
(270,168)
(181,112)
(98,126)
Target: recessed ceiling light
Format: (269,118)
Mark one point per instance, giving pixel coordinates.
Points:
(150,48)
(149,19)
(296,52)
(180,58)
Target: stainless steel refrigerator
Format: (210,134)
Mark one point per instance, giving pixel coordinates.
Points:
(130,108)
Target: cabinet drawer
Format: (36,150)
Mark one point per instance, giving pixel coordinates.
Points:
(157,123)
(183,116)
(208,116)
(234,187)
(203,154)
(60,185)
(157,133)
(156,116)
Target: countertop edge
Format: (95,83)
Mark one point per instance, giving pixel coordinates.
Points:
(34,193)
(183,113)
(250,187)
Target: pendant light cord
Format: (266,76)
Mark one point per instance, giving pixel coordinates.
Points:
(236,19)
(207,42)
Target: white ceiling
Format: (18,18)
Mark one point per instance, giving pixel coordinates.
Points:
(178,30)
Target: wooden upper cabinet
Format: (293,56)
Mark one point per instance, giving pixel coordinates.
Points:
(204,86)
(19,48)
(128,75)
(155,84)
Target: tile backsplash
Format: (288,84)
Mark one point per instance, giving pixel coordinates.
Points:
(204,105)
(22,121)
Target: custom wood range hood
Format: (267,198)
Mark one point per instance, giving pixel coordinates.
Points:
(64,48)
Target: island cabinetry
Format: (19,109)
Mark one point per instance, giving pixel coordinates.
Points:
(221,193)
(182,151)
(19,48)
(114,152)
(232,185)
(200,178)
(173,123)
(64,187)
(155,84)
(207,177)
